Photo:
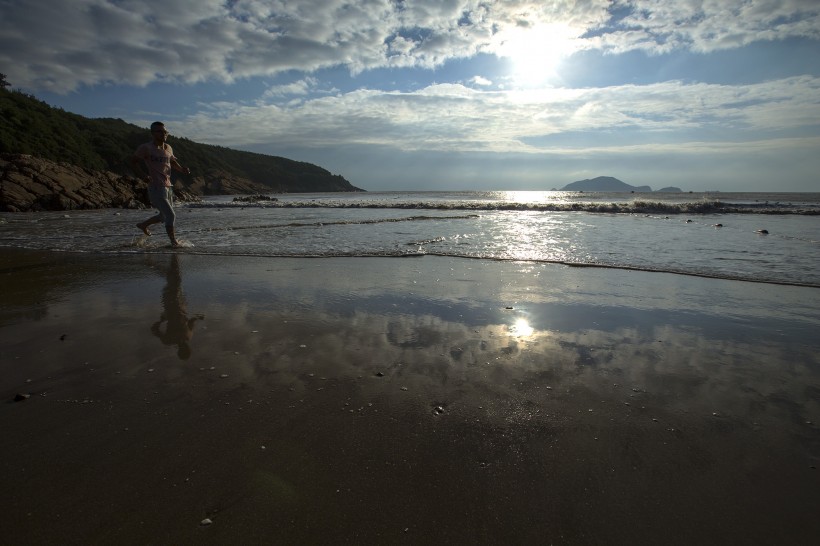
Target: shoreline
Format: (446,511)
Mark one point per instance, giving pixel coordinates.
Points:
(387,401)
(738,251)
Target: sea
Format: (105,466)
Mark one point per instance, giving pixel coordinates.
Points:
(756,237)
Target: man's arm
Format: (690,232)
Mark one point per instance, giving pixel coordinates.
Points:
(177,167)
(136,165)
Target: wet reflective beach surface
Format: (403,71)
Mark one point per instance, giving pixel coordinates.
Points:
(197,399)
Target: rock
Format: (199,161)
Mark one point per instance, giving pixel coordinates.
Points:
(19,397)
(29,183)
(220,182)
(254,198)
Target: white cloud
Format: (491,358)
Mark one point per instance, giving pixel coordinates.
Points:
(60,45)
(479,80)
(301,87)
(710,25)
(456,118)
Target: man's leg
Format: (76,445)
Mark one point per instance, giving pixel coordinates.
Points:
(157,198)
(166,210)
(147,223)
(172,235)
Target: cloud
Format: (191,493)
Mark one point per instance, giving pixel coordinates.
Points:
(300,87)
(62,45)
(456,118)
(705,26)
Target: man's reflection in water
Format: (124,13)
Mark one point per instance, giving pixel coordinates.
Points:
(179,328)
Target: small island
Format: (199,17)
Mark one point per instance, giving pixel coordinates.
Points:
(612,184)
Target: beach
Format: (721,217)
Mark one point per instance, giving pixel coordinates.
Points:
(173,398)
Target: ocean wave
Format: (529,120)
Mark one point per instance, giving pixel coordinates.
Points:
(325,223)
(415,249)
(420,253)
(633,207)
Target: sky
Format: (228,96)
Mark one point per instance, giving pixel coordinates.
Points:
(404,95)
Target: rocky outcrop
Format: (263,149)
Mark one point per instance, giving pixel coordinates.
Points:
(28,183)
(259,198)
(220,182)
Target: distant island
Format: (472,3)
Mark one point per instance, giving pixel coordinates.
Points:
(611,184)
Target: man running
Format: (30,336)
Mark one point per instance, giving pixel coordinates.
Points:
(158,158)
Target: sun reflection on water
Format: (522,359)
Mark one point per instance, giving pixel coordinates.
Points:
(521,328)
(533,196)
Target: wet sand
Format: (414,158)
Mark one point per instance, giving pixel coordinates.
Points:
(391,401)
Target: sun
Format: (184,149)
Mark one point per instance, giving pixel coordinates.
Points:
(536,52)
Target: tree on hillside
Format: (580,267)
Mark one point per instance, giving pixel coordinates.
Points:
(3,82)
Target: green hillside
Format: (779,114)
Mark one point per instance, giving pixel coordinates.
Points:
(30,126)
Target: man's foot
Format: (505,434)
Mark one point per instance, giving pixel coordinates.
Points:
(176,244)
(144,228)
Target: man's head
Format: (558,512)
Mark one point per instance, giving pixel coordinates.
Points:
(158,130)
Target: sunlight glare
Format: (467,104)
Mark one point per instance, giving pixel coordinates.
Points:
(521,328)
(527,196)
(537,52)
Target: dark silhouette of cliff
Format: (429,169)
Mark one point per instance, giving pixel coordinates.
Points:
(31,127)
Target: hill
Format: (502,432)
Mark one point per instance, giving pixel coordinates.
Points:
(611,184)
(603,183)
(31,127)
